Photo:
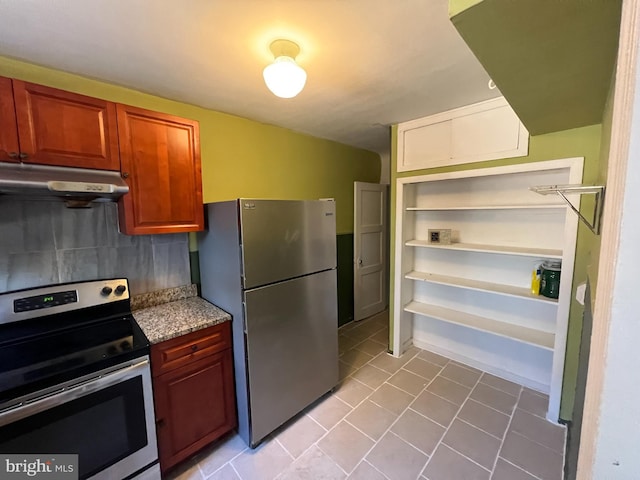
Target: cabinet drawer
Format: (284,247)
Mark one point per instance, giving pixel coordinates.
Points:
(182,350)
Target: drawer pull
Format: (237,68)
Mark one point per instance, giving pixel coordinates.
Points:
(194,347)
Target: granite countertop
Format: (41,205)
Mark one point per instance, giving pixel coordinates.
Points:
(173,312)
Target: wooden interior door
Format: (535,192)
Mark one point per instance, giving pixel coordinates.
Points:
(369,249)
(9,147)
(160,157)
(65,129)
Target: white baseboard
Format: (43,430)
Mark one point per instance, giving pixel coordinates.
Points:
(527,382)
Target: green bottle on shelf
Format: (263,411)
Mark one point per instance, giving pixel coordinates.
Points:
(550,278)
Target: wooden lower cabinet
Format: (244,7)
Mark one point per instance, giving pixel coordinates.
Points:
(194,402)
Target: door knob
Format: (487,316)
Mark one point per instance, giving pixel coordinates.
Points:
(359,261)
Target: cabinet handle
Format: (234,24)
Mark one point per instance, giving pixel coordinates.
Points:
(13,154)
(125,175)
(160,423)
(23,156)
(194,347)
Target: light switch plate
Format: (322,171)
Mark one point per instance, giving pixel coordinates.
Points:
(580,292)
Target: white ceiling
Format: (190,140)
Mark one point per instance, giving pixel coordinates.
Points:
(370,63)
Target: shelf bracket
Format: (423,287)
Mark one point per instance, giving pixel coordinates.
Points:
(563,190)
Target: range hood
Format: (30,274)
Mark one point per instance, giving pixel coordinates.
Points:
(77,187)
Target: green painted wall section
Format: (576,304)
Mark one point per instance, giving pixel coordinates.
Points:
(578,142)
(551,59)
(458,6)
(601,179)
(574,428)
(241,157)
(344,246)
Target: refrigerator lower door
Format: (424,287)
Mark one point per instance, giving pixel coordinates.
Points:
(292,348)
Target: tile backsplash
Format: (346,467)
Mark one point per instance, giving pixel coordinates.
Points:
(43,242)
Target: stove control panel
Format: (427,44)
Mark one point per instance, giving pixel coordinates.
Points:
(47,300)
(65,297)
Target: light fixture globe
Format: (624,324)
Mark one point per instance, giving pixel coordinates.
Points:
(284,77)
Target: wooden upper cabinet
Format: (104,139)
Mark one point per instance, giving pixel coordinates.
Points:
(9,146)
(65,129)
(160,159)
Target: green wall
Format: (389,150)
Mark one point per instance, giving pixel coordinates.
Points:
(551,59)
(244,158)
(578,142)
(240,157)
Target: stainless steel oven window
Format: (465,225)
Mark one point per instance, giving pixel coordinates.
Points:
(106,418)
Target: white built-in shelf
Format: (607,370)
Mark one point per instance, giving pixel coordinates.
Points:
(490,207)
(518,333)
(500,249)
(500,289)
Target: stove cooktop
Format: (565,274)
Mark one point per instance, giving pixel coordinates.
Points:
(53,334)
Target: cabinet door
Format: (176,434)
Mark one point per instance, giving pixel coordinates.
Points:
(160,157)
(487,133)
(425,145)
(65,129)
(8,129)
(194,406)
(483,131)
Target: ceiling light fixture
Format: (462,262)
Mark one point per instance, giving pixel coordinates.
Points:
(284,77)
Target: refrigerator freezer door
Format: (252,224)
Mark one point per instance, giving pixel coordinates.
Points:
(284,239)
(292,348)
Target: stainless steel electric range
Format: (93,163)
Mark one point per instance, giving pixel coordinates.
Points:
(75,379)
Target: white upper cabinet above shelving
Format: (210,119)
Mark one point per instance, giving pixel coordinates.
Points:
(482,131)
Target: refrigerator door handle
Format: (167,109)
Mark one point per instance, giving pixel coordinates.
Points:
(244,317)
(242,276)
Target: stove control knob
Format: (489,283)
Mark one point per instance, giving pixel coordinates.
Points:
(106,291)
(125,345)
(120,289)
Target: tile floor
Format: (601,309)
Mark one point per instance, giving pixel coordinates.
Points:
(421,416)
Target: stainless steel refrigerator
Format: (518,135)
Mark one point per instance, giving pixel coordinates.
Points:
(272,265)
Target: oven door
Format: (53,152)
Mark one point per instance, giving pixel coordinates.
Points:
(107,419)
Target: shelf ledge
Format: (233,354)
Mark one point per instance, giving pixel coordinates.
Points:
(529,336)
(489,207)
(477,285)
(498,249)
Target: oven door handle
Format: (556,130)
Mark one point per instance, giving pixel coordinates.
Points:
(44,401)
